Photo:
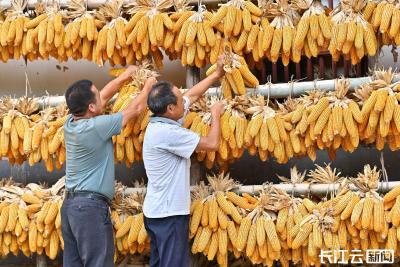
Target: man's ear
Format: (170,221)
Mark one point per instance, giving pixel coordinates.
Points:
(91,107)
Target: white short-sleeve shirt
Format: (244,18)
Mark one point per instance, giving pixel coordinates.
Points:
(167,148)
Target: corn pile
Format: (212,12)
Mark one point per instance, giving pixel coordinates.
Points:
(123,34)
(352,35)
(237,75)
(314,30)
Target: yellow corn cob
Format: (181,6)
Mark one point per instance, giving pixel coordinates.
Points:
(52,213)
(238,200)
(212,248)
(378,215)
(301,33)
(196,217)
(222,241)
(260,231)
(251,243)
(325,26)
(213,214)
(370,40)
(204,239)
(125,227)
(386,17)
(243,233)
(270,229)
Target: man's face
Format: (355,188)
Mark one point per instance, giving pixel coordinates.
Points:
(177,111)
(95,107)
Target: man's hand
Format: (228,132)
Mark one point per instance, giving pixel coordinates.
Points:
(218,109)
(149,83)
(129,71)
(219,72)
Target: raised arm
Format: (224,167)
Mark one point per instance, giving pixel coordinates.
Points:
(211,141)
(199,89)
(113,87)
(139,103)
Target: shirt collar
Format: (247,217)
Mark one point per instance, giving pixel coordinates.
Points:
(164,120)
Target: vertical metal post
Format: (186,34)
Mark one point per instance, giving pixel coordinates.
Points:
(41,261)
(321,70)
(298,71)
(310,71)
(192,78)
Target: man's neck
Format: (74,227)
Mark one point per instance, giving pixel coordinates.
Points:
(86,116)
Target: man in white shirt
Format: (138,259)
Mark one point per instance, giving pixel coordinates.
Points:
(167,148)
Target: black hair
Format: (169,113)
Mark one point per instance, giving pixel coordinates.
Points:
(78,97)
(160,97)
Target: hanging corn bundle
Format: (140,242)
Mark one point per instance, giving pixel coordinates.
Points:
(196,38)
(385,19)
(111,41)
(215,217)
(234,17)
(30,219)
(313,30)
(81,33)
(127,216)
(380,110)
(16,128)
(352,35)
(285,19)
(148,28)
(333,121)
(128,144)
(183,11)
(237,75)
(266,132)
(257,38)
(45,34)
(12,31)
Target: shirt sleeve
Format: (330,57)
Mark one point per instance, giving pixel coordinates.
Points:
(108,125)
(181,142)
(186,105)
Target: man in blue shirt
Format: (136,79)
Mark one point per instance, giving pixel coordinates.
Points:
(167,148)
(85,214)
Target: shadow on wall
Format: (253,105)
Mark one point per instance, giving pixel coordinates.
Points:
(248,170)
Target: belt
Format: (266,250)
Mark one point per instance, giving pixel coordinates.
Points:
(86,194)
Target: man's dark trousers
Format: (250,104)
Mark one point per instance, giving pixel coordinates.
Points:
(87,233)
(169,241)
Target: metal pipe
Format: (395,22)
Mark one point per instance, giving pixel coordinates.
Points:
(297,189)
(279,90)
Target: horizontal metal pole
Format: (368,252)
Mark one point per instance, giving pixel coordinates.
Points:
(281,90)
(278,90)
(297,189)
